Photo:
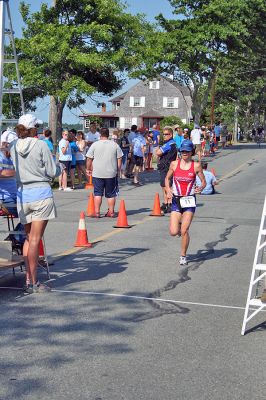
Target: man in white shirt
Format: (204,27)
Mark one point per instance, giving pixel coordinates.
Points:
(195,136)
(92,136)
(104,159)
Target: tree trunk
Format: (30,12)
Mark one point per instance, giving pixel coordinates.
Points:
(55,118)
(199,100)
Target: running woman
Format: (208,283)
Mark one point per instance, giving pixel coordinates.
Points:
(182,193)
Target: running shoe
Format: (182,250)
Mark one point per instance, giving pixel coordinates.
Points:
(68,189)
(38,288)
(60,188)
(183,260)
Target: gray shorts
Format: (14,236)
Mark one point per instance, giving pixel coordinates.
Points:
(41,210)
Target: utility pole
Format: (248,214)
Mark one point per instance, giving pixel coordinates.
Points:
(213,100)
(4,8)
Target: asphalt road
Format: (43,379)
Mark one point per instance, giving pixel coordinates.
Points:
(124,320)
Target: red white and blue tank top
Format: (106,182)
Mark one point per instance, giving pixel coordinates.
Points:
(184,180)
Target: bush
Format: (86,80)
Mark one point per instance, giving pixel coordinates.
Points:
(171,121)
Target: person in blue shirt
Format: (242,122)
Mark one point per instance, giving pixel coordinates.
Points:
(74,150)
(138,151)
(178,137)
(211,181)
(217,131)
(166,154)
(47,139)
(8,186)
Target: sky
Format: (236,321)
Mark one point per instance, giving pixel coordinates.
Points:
(150,8)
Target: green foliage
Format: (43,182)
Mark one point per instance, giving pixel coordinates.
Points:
(171,121)
(201,40)
(77,48)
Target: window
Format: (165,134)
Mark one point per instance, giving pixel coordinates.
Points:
(117,105)
(137,101)
(170,102)
(154,84)
(112,123)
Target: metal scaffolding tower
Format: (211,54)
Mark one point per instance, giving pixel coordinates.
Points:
(7,32)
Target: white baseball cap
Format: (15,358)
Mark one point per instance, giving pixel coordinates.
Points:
(8,136)
(29,121)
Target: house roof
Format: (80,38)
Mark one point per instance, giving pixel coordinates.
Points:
(119,97)
(100,114)
(151,113)
(183,89)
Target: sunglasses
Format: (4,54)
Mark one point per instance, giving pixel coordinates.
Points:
(166,134)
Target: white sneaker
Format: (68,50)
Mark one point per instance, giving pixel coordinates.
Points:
(60,188)
(183,260)
(68,189)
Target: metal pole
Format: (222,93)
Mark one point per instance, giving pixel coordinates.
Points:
(2,49)
(16,60)
(213,97)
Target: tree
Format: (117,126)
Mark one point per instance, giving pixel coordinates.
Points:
(193,47)
(76,48)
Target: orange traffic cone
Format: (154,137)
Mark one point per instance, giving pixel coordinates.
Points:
(156,212)
(89,185)
(91,207)
(82,238)
(122,217)
(41,249)
(213,171)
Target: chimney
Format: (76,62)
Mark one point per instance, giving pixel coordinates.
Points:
(103,107)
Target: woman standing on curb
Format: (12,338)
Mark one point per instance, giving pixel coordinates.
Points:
(35,169)
(184,172)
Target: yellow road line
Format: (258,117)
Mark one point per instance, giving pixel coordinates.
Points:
(75,250)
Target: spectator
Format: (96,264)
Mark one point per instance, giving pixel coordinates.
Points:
(35,169)
(166,154)
(178,138)
(217,131)
(74,150)
(93,135)
(196,140)
(223,135)
(8,186)
(7,137)
(209,178)
(104,159)
(81,157)
(131,165)
(65,158)
(138,152)
(149,150)
(47,139)
(124,144)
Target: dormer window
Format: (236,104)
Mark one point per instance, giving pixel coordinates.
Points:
(117,105)
(154,84)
